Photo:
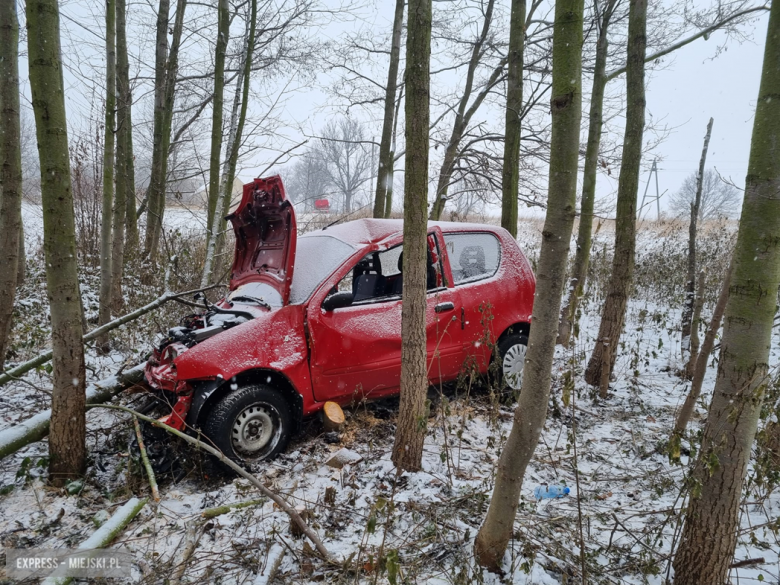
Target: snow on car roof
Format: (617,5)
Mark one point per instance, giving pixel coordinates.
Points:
(364,231)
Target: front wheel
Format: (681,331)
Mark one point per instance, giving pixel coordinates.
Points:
(512,350)
(251,424)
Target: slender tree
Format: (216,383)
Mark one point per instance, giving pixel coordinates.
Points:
(165,70)
(690,281)
(385,145)
(21,267)
(412,421)
(585,230)
(125,131)
(123,140)
(68,426)
(709,535)
(223,33)
(106,243)
(510,175)
(466,111)
(614,311)
(238,119)
(11,242)
(531,410)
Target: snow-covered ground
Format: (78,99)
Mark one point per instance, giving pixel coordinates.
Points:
(628,493)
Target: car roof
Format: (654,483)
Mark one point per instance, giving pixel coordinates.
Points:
(364,231)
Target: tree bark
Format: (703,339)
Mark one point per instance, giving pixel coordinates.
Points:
(236,134)
(690,282)
(385,145)
(122,179)
(585,229)
(510,175)
(66,442)
(686,411)
(223,33)
(698,305)
(391,158)
(166,70)
(106,213)
(614,311)
(412,421)
(711,521)
(11,242)
(126,131)
(21,265)
(531,410)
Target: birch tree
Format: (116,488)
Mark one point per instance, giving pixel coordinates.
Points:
(68,426)
(709,534)
(11,242)
(386,154)
(412,419)
(106,247)
(619,287)
(531,410)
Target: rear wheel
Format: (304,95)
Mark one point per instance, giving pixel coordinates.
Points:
(512,350)
(251,424)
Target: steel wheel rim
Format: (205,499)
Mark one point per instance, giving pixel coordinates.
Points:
(513,364)
(255,431)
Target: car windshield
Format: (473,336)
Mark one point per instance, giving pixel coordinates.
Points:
(316,257)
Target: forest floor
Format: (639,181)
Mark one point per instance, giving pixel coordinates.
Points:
(626,497)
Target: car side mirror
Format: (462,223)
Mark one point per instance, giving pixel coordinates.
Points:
(337,301)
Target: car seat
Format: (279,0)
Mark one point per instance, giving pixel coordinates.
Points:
(398,283)
(472,261)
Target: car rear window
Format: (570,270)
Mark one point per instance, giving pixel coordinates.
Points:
(473,255)
(316,257)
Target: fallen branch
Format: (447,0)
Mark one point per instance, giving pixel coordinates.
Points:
(194,531)
(103,536)
(289,510)
(9,375)
(747,563)
(145,460)
(275,556)
(36,428)
(209,513)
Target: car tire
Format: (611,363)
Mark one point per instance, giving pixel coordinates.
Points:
(251,424)
(511,351)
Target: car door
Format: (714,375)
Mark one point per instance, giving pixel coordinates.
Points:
(356,349)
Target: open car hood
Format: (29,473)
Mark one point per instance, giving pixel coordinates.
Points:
(266,235)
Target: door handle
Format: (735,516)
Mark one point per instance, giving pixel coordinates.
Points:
(441,307)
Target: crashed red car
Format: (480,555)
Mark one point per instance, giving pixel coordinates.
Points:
(317,317)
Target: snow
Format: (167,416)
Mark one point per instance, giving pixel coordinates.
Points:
(626,486)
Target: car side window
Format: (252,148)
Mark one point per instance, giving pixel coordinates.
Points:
(473,256)
(378,276)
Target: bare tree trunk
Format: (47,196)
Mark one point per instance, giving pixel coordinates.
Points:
(391,158)
(123,129)
(126,131)
(223,33)
(165,85)
(686,411)
(698,305)
(531,410)
(11,241)
(106,252)
(385,150)
(68,426)
(412,420)
(510,175)
(709,535)
(690,283)
(21,266)
(614,311)
(585,230)
(237,132)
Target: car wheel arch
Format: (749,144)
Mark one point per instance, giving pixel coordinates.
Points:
(272,378)
(522,328)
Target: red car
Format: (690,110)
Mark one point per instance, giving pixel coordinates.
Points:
(317,317)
